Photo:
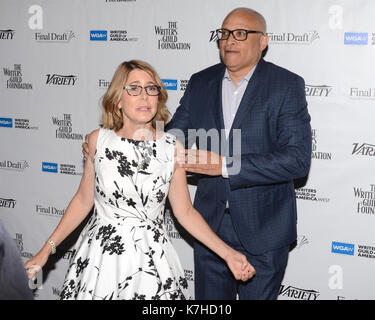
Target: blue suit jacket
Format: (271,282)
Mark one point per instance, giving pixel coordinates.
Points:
(275,150)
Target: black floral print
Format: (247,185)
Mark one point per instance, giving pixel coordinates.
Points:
(125,244)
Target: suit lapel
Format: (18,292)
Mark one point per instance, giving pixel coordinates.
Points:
(249,98)
(215,87)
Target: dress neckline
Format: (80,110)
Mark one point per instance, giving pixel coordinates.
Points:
(138,140)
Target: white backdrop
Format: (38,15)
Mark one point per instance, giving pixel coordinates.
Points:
(57,58)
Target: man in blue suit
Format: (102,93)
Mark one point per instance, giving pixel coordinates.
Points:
(247,196)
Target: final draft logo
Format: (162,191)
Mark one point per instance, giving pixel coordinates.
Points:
(63,37)
(14,165)
(305,38)
(362,93)
(298,293)
(169,38)
(15,78)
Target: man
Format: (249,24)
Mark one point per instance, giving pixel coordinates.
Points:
(254,210)
(247,197)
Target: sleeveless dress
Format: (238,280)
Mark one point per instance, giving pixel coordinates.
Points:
(124,251)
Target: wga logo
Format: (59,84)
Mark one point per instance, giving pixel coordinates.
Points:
(356,38)
(170,84)
(342,248)
(364,149)
(61,80)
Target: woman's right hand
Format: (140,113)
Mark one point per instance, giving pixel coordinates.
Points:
(37,262)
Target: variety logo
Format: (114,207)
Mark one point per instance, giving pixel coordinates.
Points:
(54,37)
(170,84)
(363,149)
(298,293)
(98,35)
(7,203)
(317,91)
(49,167)
(293,38)
(61,80)
(356,38)
(6,122)
(7,34)
(342,248)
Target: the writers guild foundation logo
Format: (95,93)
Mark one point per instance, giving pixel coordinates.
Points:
(14,80)
(7,34)
(54,37)
(19,244)
(169,38)
(366,204)
(363,149)
(170,225)
(315,154)
(298,293)
(61,80)
(64,128)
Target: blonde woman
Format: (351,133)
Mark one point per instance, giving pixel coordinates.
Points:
(124,251)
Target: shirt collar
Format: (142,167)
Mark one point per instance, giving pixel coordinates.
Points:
(247,77)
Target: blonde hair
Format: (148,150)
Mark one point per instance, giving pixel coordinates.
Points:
(112,115)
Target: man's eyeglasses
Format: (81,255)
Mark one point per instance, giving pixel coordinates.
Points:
(134,90)
(238,34)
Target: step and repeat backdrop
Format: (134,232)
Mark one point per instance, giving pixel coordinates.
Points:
(57,59)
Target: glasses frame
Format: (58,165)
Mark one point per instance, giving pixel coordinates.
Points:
(127,87)
(231,32)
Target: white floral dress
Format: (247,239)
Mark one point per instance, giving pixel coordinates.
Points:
(124,251)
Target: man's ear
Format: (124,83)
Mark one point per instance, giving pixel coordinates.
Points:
(264,42)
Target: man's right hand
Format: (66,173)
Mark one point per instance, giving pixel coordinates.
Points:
(85,147)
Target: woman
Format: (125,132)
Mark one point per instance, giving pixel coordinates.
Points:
(124,251)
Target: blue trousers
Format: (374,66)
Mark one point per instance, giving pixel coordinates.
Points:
(215,281)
